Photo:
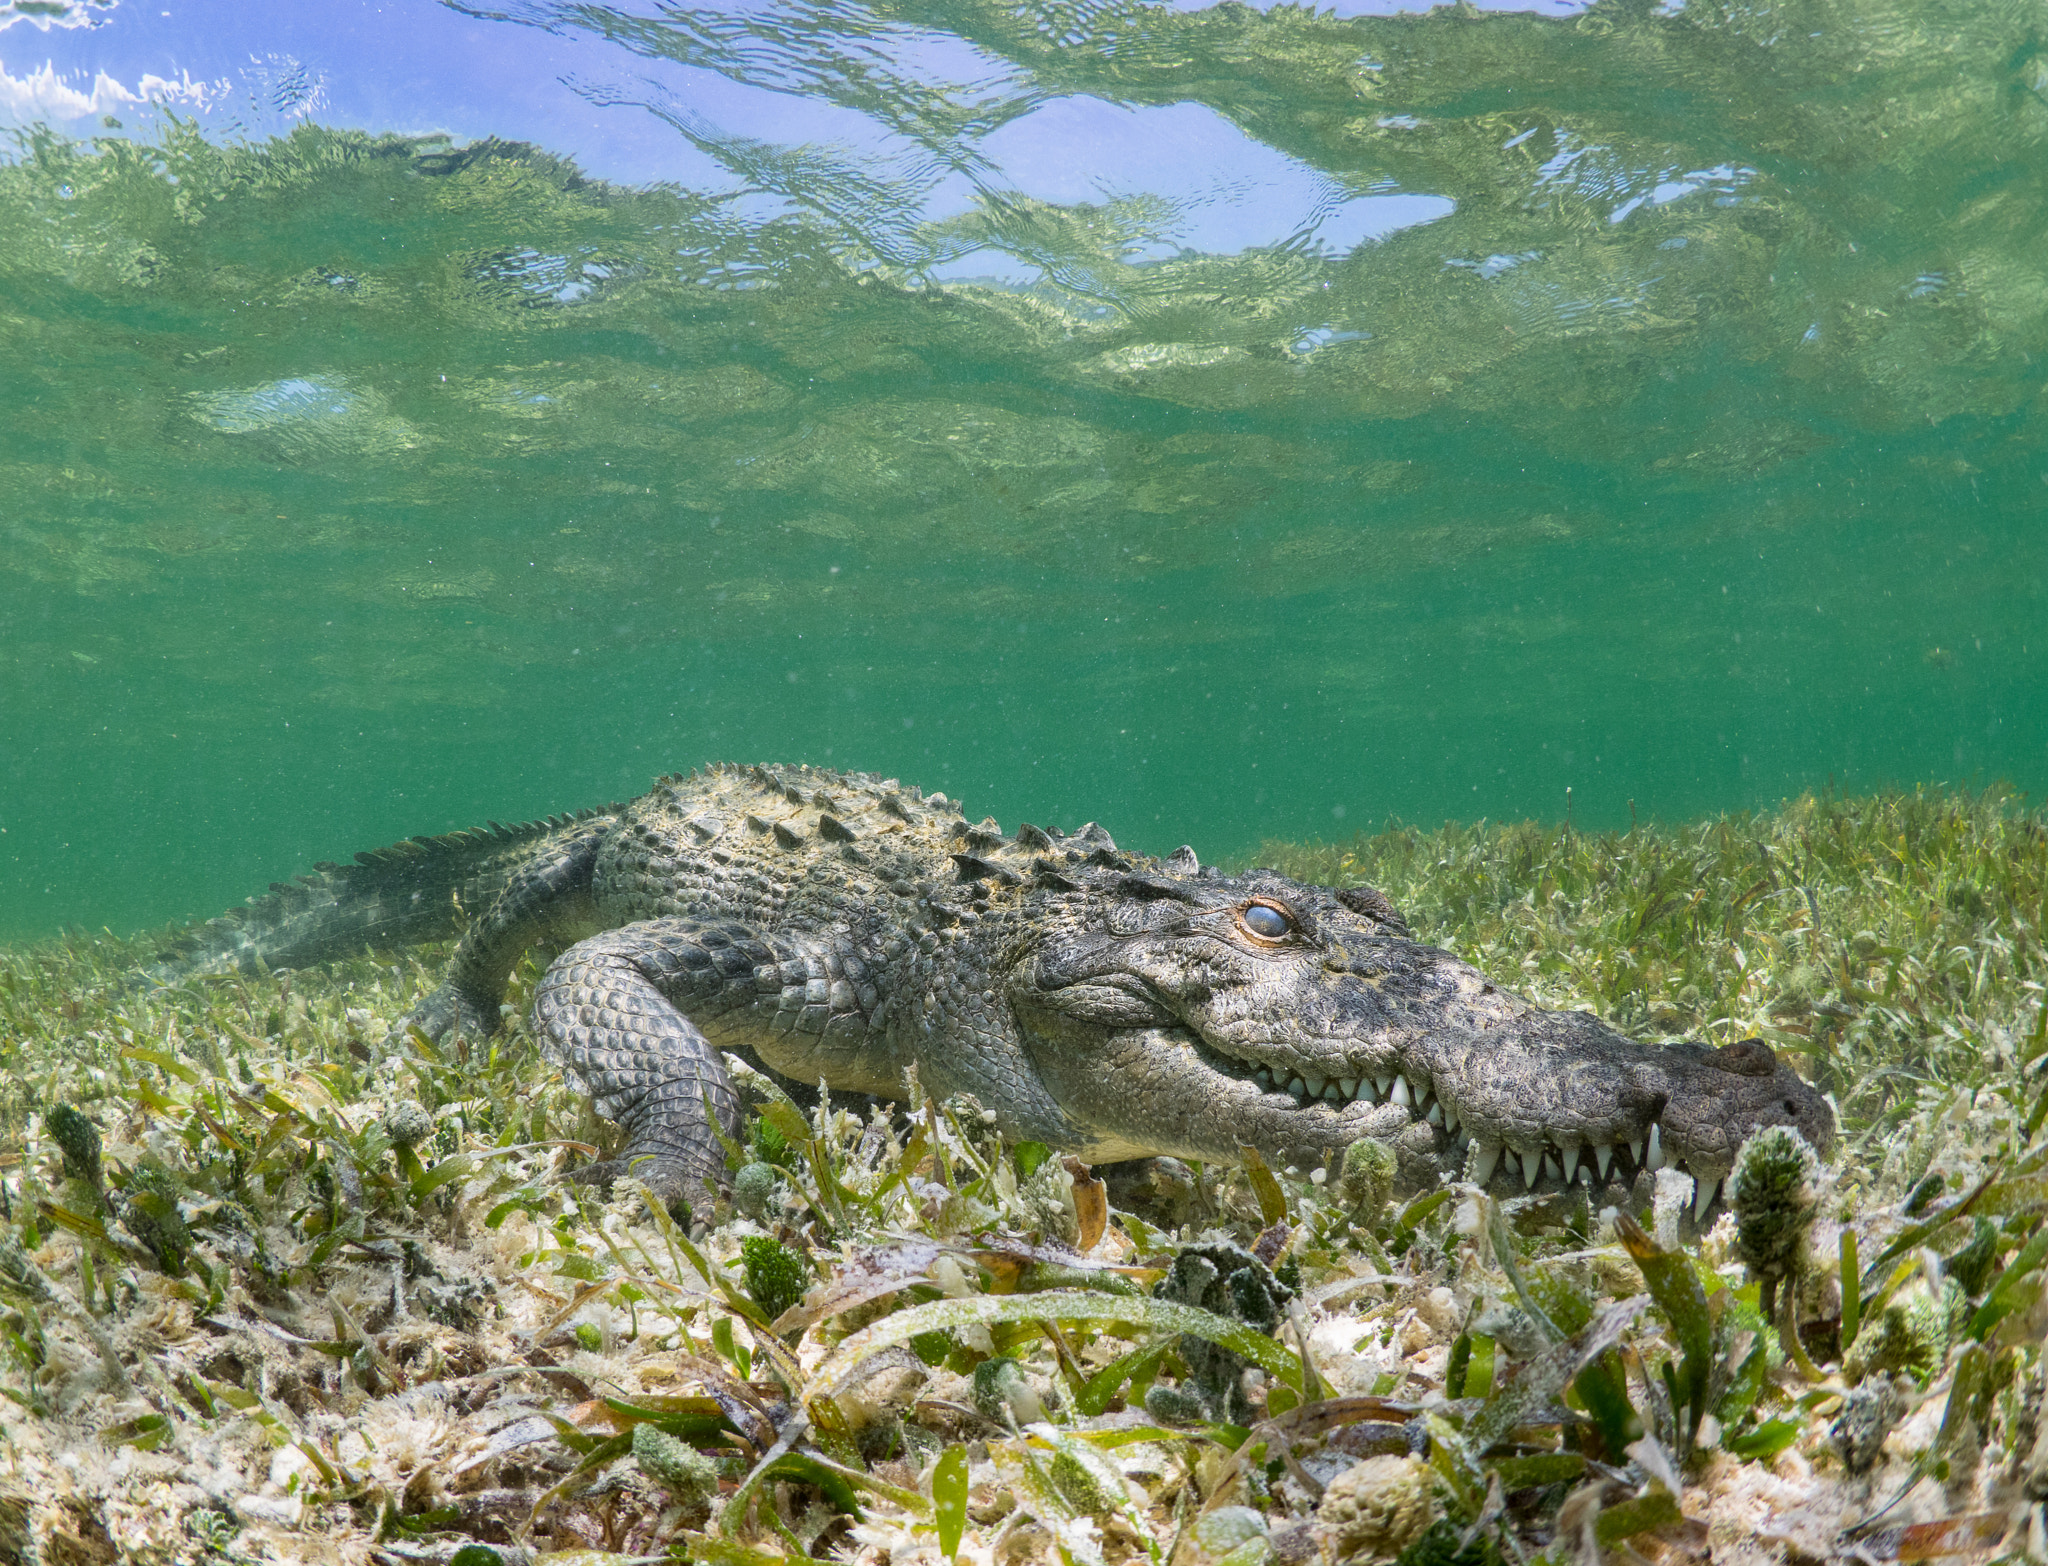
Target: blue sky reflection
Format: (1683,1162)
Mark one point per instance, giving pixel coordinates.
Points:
(624,112)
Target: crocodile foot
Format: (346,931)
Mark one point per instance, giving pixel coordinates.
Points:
(442,1013)
(676,1185)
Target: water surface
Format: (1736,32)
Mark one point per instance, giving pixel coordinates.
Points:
(1219,423)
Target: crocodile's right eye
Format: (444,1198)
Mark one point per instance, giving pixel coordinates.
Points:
(1266,921)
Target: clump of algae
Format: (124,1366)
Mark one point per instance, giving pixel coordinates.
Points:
(271,1284)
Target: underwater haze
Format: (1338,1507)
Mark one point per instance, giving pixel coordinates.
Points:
(1224,423)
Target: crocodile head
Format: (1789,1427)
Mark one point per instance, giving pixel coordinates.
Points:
(1173,1010)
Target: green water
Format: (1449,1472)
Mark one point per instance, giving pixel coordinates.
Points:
(352,488)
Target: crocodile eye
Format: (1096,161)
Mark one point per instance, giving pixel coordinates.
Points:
(1266,921)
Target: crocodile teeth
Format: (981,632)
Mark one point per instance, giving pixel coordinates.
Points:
(1571,1165)
(1452,1119)
(1703,1197)
(1315,1086)
(1484,1165)
(1348,1086)
(1297,1087)
(1603,1155)
(1265,1077)
(1532,1166)
(1436,1115)
(1654,1160)
(1381,1085)
(1401,1091)
(1334,1093)
(1635,1150)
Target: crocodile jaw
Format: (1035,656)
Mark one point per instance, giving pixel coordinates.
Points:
(1146,1091)
(1555,1101)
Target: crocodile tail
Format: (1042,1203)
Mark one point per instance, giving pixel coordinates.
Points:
(421,889)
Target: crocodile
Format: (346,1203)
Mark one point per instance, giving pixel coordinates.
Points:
(839,928)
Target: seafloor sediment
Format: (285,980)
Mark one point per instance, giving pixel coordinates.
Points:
(277,1290)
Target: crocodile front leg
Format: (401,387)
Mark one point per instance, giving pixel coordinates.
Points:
(611,1011)
(637,1017)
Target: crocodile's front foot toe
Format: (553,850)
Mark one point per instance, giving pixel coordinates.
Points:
(1160,1190)
(443,1013)
(676,1185)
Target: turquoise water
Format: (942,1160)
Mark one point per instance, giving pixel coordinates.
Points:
(1218,423)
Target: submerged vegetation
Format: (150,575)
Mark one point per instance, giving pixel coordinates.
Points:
(273,1289)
